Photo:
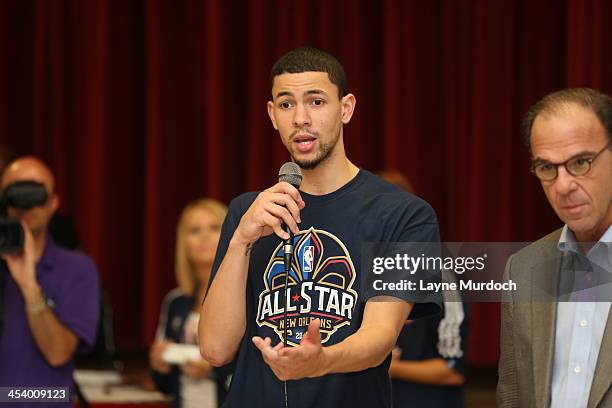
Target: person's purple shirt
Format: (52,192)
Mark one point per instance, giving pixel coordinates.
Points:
(69,280)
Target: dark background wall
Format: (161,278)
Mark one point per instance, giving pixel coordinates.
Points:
(142,106)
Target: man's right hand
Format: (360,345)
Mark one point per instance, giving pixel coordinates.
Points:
(223,317)
(22,267)
(279,204)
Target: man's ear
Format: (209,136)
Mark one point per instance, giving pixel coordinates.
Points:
(54,202)
(270,106)
(348,103)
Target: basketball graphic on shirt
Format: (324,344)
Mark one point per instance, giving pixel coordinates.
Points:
(320,285)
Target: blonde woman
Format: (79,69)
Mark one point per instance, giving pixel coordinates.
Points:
(197,237)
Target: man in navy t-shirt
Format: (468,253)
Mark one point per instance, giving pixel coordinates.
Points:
(338,338)
(50,295)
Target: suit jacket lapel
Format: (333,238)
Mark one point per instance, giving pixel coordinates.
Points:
(543,316)
(603,371)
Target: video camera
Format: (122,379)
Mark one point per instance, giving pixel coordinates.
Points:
(21,195)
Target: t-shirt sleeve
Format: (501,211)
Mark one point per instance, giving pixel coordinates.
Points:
(414,233)
(236,209)
(162,326)
(426,302)
(165,382)
(78,306)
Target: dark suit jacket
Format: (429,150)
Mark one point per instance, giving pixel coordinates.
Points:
(528,332)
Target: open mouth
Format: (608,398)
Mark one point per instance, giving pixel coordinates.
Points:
(304,143)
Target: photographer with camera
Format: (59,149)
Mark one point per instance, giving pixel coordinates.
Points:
(49,296)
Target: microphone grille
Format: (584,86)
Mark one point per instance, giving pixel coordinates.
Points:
(291,173)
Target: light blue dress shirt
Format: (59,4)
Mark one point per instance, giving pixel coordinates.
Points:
(580,327)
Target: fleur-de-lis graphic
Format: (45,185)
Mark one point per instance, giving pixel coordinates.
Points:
(320,285)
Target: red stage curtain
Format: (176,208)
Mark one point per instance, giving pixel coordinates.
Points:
(142,106)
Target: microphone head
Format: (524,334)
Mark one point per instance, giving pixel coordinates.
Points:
(291,173)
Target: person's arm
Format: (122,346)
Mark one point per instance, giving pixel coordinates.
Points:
(367,347)
(430,371)
(163,374)
(156,361)
(55,341)
(507,386)
(196,369)
(162,340)
(446,365)
(223,316)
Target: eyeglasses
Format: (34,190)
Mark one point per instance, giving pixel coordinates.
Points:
(577,166)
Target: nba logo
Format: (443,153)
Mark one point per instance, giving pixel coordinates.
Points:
(308,259)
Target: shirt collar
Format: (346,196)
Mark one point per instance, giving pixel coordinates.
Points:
(568,243)
(607,236)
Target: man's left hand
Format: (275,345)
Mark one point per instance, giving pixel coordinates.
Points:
(294,363)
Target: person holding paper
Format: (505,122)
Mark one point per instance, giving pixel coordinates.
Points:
(177,370)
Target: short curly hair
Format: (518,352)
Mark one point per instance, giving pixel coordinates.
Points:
(310,59)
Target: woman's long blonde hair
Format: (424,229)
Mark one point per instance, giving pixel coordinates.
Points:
(185,273)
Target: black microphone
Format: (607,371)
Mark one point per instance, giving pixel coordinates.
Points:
(290,173)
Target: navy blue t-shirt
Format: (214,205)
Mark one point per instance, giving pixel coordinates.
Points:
(324,283)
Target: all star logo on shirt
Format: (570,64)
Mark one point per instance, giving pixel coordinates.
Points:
(320,286)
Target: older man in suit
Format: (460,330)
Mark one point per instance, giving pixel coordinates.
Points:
(556,340)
